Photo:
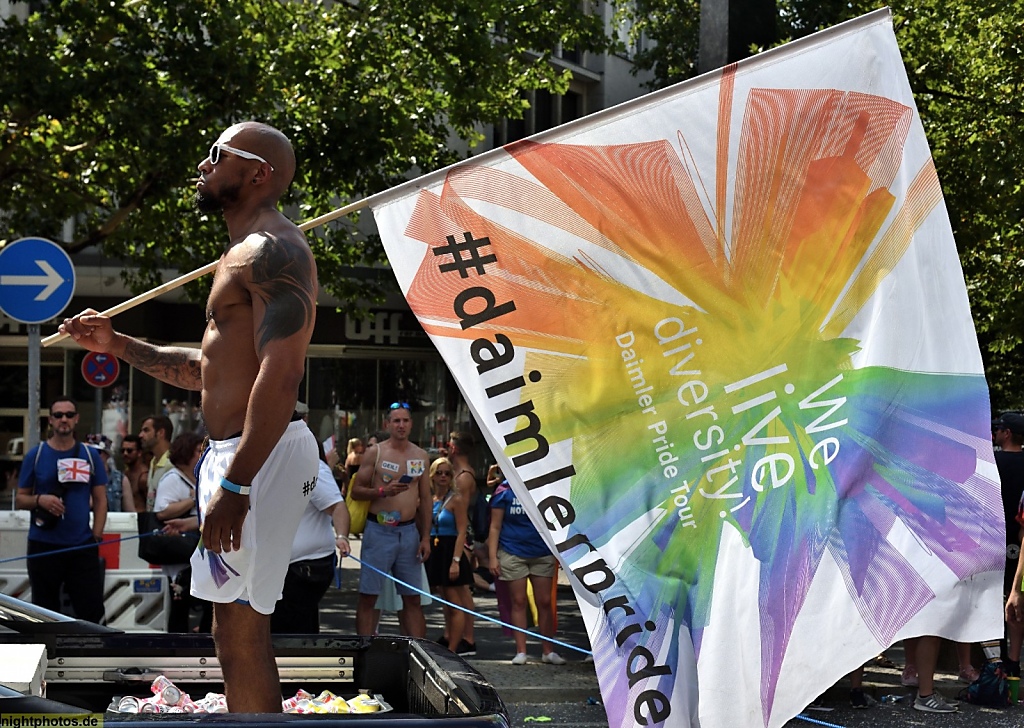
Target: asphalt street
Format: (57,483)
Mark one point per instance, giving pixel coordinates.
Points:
(568,696)
(900,715)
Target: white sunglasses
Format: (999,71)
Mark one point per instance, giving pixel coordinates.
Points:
(216,149)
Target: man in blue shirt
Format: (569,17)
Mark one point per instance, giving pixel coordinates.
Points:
(59,478)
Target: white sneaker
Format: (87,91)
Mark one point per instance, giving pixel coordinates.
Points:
(553,658)
(519,659)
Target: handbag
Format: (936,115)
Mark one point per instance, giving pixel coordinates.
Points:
(991,688)
(358,510)
(164,549)
(42,517)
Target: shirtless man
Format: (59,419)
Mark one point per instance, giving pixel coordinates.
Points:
(260,468)
(135,470)
(393,475)
(460,449)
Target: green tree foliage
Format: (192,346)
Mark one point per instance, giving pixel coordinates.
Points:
(965,61)
(108,107)
(667,35)
(966,67)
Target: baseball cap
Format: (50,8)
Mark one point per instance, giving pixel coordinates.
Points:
(1012,421)
(302,408)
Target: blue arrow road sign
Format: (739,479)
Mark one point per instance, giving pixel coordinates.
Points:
(37,280)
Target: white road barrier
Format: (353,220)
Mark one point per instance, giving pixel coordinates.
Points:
(136,595)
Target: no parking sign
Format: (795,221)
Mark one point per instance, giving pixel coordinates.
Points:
(100,370)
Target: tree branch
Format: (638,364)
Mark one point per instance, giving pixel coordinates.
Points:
(1004,108)
(112,223)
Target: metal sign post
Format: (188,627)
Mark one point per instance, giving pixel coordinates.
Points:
(33,387)
(99,371)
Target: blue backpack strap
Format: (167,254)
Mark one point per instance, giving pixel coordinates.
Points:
(35,465)
(92,465)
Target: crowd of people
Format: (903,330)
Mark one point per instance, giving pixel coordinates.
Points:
(431,528)
(424,530)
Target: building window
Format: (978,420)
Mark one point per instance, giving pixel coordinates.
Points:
(572,55)
(546,112)
(572,107)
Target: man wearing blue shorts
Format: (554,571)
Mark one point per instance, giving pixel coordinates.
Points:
(393,475)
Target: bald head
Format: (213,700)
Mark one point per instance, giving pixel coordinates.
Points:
(269,143)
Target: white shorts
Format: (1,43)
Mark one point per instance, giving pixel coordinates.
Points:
(255,573)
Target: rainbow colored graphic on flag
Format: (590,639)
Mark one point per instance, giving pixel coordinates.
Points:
(721,339)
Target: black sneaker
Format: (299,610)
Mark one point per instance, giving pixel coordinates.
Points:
(858,699)
(443,641)
(465,649)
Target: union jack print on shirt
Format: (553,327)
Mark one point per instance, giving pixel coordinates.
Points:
(73,470)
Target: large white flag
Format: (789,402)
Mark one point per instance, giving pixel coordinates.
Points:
(720,341)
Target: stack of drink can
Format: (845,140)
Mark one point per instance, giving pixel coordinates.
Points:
(328,702)
(168,698)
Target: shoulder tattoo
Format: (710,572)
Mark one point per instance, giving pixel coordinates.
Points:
(283,279)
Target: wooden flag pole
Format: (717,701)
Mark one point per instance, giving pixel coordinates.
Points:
(208,268)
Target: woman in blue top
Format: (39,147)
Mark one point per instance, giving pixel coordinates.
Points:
(448,568)
(518,552)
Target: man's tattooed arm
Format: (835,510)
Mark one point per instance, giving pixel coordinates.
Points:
(283,277)
(176,365)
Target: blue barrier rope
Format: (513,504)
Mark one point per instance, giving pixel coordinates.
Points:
(76,548)
(809,719)
(527,632)
(337,573)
